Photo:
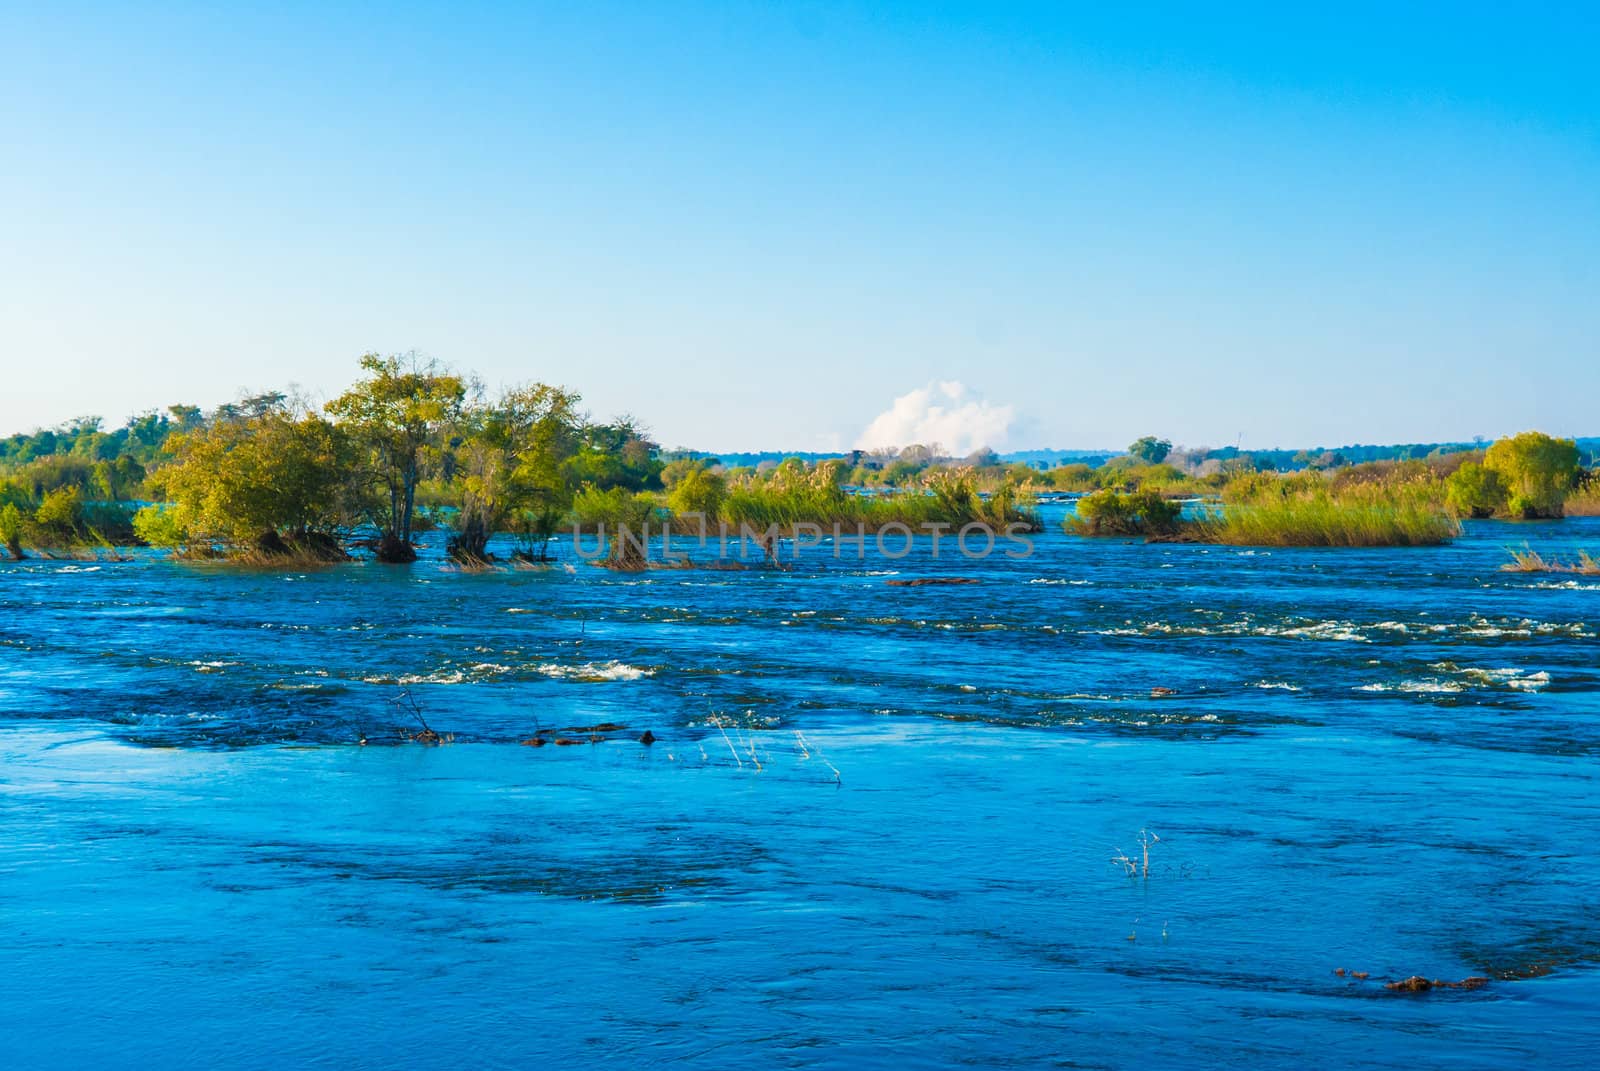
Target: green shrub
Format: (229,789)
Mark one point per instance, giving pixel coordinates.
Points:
(1537,471)
(1119,513)
(159,527)
(61,511)
(11,529)
(1475,491)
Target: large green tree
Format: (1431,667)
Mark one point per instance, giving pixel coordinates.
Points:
(618,454)
(400,414)
(509,467)
(268,482)
(1150,450)
(1537,471)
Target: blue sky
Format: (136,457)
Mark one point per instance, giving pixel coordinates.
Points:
(757,225)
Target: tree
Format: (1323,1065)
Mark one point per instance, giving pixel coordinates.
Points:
(1537,471)
(618,454)
(399,414)
(272,482)
(697,490)
(1150,450)
(61,511)
(1475,491)
(509,467)
(11,529)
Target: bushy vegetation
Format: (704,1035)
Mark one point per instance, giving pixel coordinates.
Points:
(795,493)
(414,445)
(1401,504)
(1122,513)
(1475,491)
(1537,472)
(277,482)
(1390,502)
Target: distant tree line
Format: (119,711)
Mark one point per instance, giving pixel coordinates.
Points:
(413,445)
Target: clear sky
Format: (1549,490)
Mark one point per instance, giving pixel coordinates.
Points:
(758,225)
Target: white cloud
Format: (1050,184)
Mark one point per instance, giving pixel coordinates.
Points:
(946,413)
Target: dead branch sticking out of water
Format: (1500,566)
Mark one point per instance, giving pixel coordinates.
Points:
(408,702)
(1139,869)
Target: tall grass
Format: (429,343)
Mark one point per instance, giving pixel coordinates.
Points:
(792,496)
(1583,501)
(1305,514)
(1531,561)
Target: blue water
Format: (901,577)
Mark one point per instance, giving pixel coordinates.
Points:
(876,828)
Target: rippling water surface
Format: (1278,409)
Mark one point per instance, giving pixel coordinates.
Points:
(876,828)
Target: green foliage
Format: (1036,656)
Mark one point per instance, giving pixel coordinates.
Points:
(696,490)
(624,516)
(794,494)
(1537,471)
(1120,473)
(11,529)
(261,481)
(139,441)
(1304,511)
(1150,450)
(619,454)
(1475,491)
(592,507)
(1118,513)
(399,415)
(1073,477)
(1254,487)
(159,526)
(509,467)
(61,512)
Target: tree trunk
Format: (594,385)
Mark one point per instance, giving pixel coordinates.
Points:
(470,545)
(395,551)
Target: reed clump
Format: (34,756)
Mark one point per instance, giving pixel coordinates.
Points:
(795,494)
(1308,512)
(1584,501)
(1531,561)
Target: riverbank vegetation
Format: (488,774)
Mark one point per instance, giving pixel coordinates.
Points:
(1418,502)
(413,446)
(1311,513)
